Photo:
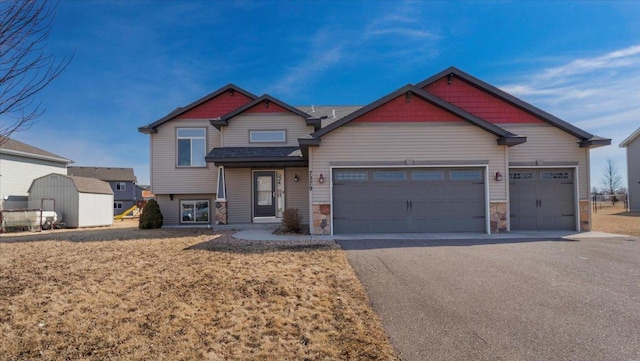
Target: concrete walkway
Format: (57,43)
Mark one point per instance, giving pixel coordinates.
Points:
(266,234)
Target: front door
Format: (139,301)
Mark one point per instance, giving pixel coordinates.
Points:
(264,194)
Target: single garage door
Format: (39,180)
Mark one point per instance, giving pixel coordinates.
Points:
(542,199)
(411,200)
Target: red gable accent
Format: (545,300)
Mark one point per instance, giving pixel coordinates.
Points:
(273,108)
(417,110)
(218,106)
(478,102)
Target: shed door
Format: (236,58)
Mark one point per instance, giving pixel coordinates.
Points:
(413,200)
(542,199)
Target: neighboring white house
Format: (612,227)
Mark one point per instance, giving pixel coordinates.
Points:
(79,201)
(20,164)
(632,143)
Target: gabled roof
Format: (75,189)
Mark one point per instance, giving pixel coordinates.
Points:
(587,139)
(104,173)
(630,138)
(504,137)
(83,184)
(223,121)
(14,147)
(151,128)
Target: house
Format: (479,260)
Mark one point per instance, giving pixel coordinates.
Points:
(632,143)
(79,201)
(20,164)
(122,182)
(448,154)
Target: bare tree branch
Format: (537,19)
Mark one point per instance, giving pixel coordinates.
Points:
(25,66)
(611,180)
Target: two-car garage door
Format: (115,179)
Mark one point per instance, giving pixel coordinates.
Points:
(396,200)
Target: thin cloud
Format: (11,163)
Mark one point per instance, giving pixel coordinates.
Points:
(598,94)
(406,32)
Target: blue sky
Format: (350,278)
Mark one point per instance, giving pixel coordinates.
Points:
(136,61)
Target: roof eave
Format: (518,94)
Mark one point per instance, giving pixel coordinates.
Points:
(315,122)
(305,143)
(147,130)
(35,156)
(594,143)
(630,139)
(218,123)
(511,140)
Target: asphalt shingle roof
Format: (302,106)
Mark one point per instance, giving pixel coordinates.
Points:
(17,146)
(254,153)
(319,111)
(104,173)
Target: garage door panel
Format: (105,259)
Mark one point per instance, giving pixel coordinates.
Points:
(542,199)
(408,200)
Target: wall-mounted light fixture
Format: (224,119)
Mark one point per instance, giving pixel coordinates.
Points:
(295,178)
(498,176)
(171,196)
(321,178)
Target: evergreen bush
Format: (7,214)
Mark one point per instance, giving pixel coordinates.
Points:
(151,216)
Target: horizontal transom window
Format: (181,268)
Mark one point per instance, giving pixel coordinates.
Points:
(348,175)
(389,176)
(554,175)
(465,175)
(521,176)
(427,175)
(267,136)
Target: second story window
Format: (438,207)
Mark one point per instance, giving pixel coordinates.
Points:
(191,147)
(267,136)
(121,186)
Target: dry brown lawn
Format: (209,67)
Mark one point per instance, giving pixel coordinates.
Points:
(616,220)
(174,294)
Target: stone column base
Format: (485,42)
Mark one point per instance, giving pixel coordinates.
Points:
(585,216)
(221,212)
(321,218)
(498,217)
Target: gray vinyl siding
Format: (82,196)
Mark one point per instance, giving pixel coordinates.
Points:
(633,171)
(171,208)
(239,195)
(67,198)
(236,134)
(550,144)
(17,173)
(395,143)
(297,194)
(166,177)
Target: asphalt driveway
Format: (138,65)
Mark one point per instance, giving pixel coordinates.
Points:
(505,299)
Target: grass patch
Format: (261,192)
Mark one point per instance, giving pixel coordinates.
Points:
(129,294)
(616,219)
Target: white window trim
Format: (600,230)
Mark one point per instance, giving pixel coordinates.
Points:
(221,196)
(254,131)
(194,201)
(118,203)
(191,149)
(123,188)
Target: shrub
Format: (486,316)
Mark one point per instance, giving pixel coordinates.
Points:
(292,220)
(151,216)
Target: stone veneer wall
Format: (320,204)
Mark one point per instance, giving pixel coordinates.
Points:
(221,212)
(321,218)
(498,217)
(585,216)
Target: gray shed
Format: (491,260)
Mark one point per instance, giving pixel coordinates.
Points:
(80,201)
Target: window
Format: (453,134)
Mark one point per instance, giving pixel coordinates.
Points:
(117,205)
(554,175)
(221,195)
(351,175)
(427,175)
(521,176)
(465,175)
(389,176)
(267,136)
(194,211)
(191,147)
(121,186)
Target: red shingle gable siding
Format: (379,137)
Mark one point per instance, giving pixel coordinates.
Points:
(260,108)
(218,106)
(478,102)
(417,110)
